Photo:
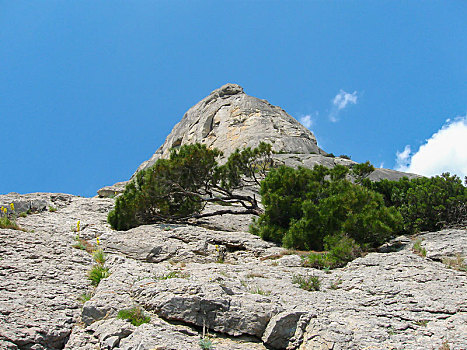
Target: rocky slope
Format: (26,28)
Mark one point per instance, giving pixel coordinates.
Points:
(236,286)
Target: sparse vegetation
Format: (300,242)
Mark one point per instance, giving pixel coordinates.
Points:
(456,263)
(335,284)
(418,249)
(23,214)
(205,343)
(8,221)
(5,222)
(85,297)
(99,256)
(422,323)
(135,315)
(98,273)
(445,346)
(258,290)
(173,274)
(83,244)
(52,209)
(310,283)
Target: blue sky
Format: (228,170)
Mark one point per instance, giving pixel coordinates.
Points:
(90,89)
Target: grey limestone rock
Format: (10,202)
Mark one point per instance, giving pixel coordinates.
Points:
(388,299)
(282,328)
(228,119)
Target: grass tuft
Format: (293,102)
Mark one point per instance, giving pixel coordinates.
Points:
(135,315)
(99,256)
(98,273)
(418,249)
(310,283)
(5,222)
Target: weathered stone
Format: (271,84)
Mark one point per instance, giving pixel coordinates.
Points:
(206,303)
(281,328)
(113,190)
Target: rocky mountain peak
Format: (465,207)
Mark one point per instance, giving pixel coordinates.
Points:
(228,119)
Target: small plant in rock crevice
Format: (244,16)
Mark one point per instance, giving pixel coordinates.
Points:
(205,343)
(309,283)
(85,297)
(99,256)
(445,346)
(258,290)
(135,315)
(52,209)
(456,263)
(173,274)
(98,273)
(418,249)
(6,221)
(335,284)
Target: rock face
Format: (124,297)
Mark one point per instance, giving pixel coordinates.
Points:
(237,287)
(229,119)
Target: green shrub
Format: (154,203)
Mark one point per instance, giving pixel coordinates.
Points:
(178,188)
(135,315)
(52,209)
(98,273)
(303,206)
(340,250)
(310,283)
(426,204)
(23,214)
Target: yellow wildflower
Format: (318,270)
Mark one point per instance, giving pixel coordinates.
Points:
(97,240)
(217,247)
(12,206)
(77,225)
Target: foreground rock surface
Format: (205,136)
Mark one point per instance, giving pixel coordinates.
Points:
(234,285)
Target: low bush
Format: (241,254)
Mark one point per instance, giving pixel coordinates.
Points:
(426,204)
(178,188)
(303,206)
(135,315)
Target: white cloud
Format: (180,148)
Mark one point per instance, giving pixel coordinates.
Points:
(306,121)
(403,159)
(340,101)
(444,151)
